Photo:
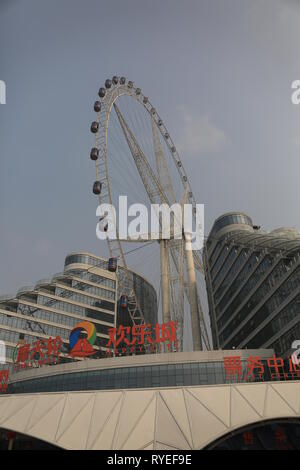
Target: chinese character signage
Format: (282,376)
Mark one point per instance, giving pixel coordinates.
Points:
(256,369)
(41,352)
(142,337)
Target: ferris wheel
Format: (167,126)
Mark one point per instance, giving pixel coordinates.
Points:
(135,155)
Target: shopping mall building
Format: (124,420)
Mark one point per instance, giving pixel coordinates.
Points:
(155,401)
(221,399)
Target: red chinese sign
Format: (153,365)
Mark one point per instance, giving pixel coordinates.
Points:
(281,439)
(4,376)
(256,369)
(248,438)
(41,352)
(138,337)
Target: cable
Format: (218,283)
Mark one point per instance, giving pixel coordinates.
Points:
(139,247)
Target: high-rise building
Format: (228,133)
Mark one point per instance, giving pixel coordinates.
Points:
(85,290)
(253,284)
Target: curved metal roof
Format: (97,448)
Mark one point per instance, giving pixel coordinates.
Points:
(147,419)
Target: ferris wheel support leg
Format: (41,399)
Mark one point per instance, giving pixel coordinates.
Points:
(165,285)
(193,296)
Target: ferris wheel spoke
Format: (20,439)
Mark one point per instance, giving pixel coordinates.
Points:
(161,164)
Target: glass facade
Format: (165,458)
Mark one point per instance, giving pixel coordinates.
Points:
(23,442)
(144,291)
(52,308)
(252,279)
(230,219)
(279,434)
(82,258)
(160,375)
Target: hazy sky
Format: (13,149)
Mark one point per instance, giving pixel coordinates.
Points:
(218,71)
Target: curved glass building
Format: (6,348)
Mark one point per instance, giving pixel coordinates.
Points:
(139,371)
(253,284)
(85,290)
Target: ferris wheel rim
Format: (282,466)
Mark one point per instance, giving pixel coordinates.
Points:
(116,91)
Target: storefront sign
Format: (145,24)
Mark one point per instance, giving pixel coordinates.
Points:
(41,352)
(83,346)
(137,338)
(275,368)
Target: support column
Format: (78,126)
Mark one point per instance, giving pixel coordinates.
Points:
(193,295)
(165,287)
